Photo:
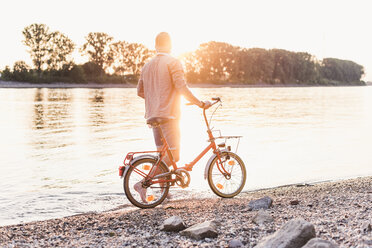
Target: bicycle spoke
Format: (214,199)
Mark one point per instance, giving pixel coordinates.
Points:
(145,196)
(228,186)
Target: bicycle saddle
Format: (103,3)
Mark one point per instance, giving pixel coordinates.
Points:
(157,121)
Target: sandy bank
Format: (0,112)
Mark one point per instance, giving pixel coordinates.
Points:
(338,210)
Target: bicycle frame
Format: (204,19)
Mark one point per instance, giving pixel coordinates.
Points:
(166,151)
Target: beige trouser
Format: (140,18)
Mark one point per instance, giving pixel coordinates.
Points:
(172,134)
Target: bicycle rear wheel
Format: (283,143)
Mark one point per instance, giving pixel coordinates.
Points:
(138,192)
(224,185)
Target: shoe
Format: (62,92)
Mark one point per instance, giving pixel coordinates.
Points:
(141,191)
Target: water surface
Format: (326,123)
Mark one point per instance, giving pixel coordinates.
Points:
(60,148)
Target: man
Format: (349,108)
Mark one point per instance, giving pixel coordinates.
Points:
(161,84)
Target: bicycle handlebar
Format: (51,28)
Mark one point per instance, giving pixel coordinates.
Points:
(215,99)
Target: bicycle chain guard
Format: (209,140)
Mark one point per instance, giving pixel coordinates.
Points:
(182,178)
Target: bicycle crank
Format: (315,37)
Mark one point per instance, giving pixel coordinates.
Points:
(182,178)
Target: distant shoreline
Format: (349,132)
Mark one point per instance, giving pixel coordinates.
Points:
(58,85)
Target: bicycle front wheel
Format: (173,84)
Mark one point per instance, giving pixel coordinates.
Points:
(228,184)
(142,193)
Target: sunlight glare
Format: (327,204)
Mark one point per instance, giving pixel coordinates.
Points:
(193,131)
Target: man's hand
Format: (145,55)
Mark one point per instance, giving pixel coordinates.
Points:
(206,104)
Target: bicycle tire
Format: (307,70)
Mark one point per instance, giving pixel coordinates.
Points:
(217,181)
(129,189)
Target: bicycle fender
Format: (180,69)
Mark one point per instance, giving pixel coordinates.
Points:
(209,163)
(134,160)
(142,157)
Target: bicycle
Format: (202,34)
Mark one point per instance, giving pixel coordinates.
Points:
(225,170)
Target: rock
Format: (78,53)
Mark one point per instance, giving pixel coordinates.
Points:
(294,202)
(366,227)
(263,203)
(173,224)
(262,217)
(235,243)
(319,243)
(294,234)
(203,230)
(368,243)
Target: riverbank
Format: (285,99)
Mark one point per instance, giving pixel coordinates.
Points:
(340,211)
(58,85)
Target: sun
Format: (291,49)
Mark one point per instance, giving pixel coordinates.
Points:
(182,45)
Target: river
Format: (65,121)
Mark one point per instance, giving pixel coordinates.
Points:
(60,148)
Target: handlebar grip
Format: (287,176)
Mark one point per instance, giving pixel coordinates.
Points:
(189,104)
(216,99)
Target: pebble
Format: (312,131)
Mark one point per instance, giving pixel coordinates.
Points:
(262,217)
(207,229)
(294,202)
(319,243)
(173,224)
(234,243)
(262,203)
(293,234)
(338,210)
(366,227)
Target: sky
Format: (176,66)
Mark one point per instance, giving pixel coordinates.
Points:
(327,28)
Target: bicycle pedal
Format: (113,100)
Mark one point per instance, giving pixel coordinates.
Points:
(182,178)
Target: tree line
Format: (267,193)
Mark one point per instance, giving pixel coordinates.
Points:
(51,54)
(220,62)
(213,62)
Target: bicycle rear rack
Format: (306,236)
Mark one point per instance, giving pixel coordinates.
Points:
(128,158)
(229,137)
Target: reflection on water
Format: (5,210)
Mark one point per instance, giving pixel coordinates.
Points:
(52,114)
(39,110)
(61,147)
(96,110)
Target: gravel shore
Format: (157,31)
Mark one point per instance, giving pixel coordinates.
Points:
(340,211)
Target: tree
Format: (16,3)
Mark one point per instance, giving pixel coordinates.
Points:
(60,50)
(255,65)
(20,66)
(21,71)
(37,38)
(119,53)
(283,66)
(77,74)
(192,69)
(129,58)
(216,61)
(6,74)
(137,56)
(97,47)
(341,70)
(305,69)
(91,69)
